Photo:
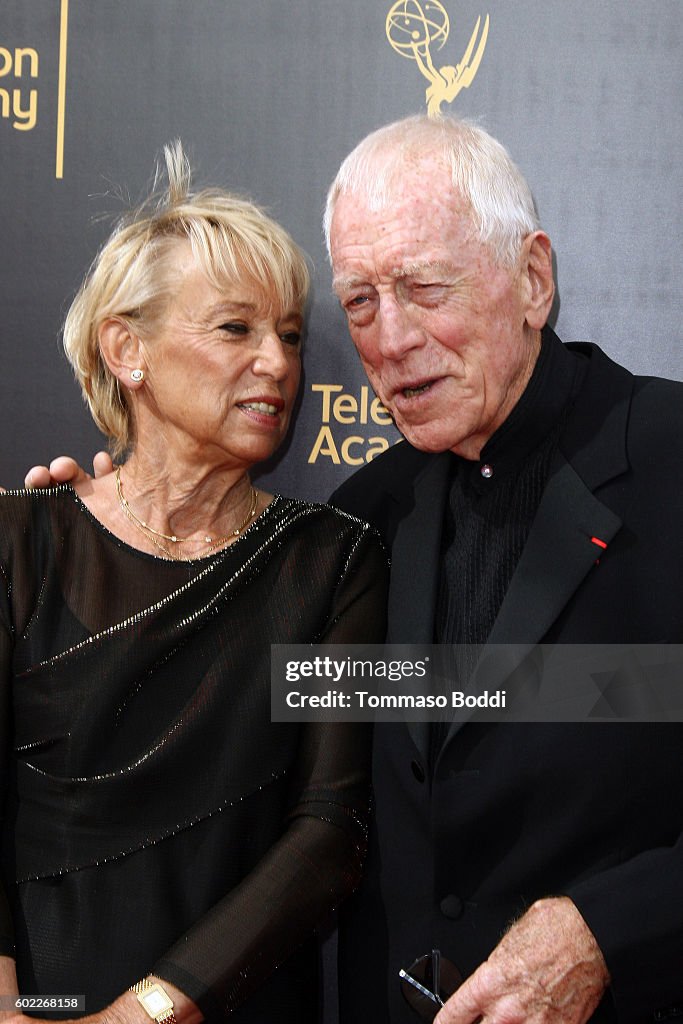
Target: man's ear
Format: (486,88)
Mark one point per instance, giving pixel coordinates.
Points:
(122,351)
(537,268)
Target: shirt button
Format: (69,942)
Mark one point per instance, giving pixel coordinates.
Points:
(486,471)
(418,771)
(452,907)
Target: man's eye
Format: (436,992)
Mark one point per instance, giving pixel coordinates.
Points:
(358,308)
(427,286)
(428,292)
(291,337)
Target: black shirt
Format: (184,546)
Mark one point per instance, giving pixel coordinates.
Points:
(493,501)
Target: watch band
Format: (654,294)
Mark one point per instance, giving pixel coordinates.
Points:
(155,1001)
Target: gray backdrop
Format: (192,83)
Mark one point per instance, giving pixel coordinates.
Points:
(268,96)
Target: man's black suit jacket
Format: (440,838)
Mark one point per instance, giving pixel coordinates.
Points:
(516,812)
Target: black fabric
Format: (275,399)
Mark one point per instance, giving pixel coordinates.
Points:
(516,812)
(488,516)
(155,818)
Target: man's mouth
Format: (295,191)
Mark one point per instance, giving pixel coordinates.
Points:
(411,392)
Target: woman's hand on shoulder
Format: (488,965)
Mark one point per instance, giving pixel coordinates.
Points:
(65,470)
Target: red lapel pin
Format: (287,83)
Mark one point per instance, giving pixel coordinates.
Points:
(601,544)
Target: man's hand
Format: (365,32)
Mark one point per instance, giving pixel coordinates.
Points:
(66,471)
(547,969)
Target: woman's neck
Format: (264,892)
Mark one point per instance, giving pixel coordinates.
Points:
(180,511)
(186,500)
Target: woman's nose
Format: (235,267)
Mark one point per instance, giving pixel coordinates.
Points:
(271,358)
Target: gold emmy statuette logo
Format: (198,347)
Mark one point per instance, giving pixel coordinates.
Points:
(413,27)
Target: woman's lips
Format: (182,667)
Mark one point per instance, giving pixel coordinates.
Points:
(263,407)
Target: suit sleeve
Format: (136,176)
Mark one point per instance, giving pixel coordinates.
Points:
(635,912)
(317,862)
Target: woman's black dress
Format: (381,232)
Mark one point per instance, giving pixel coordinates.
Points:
(155,819)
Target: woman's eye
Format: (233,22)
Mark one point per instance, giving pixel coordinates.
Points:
(235,327)
(291,337)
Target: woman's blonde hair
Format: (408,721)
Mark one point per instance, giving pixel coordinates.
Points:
(132,276)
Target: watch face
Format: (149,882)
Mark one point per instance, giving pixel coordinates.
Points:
(155,1001)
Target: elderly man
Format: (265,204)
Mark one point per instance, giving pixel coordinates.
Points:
(537,499)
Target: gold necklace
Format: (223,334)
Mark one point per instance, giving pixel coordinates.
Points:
(151,534)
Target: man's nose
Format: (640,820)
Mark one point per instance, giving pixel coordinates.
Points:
(398,330)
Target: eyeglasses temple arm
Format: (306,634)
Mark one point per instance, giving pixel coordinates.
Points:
(404,976)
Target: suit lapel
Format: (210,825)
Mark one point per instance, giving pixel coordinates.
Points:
(416,566)
(559,553)
(560,550)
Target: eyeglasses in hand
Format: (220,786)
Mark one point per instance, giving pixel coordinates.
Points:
(428,983)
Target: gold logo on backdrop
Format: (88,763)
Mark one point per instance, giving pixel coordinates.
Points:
(19,105)
(346,420)
(19,69)
(414,27)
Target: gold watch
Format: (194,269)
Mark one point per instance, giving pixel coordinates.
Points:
(155,1001)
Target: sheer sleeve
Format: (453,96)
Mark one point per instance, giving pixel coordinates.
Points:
(6,928)
(317,861)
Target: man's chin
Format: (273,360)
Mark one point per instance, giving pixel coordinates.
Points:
(428,438)
(425,439)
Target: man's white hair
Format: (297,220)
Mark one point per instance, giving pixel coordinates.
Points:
(482,172)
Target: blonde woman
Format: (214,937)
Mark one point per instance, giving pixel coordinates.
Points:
(159,828)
